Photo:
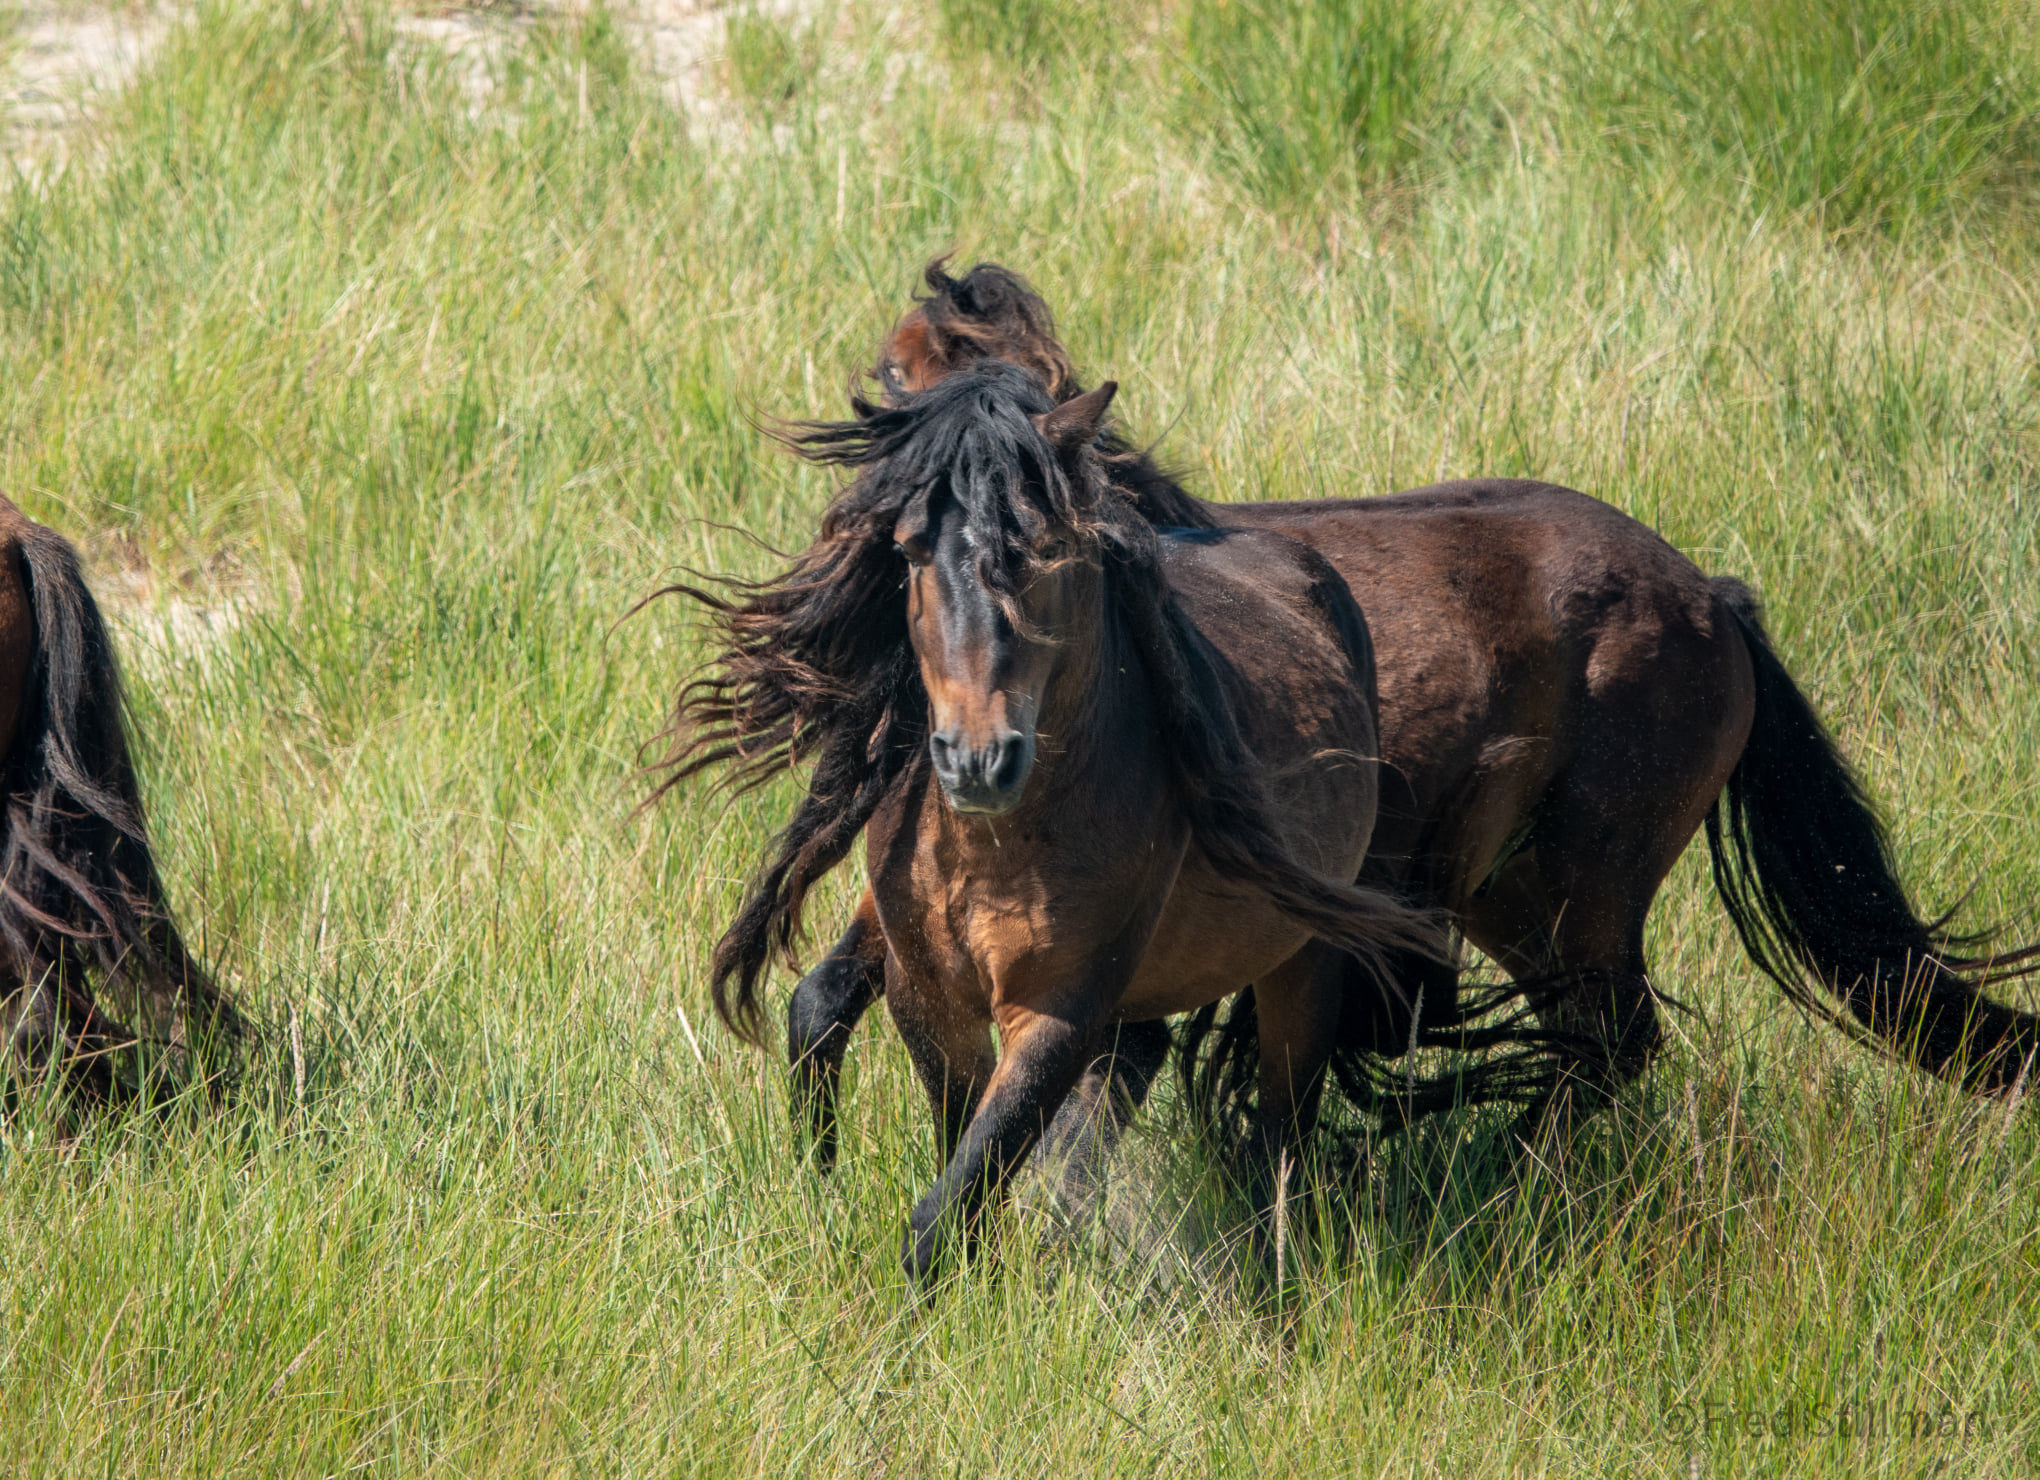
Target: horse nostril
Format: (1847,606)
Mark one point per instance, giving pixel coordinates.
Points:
(1008,761)
(981,778)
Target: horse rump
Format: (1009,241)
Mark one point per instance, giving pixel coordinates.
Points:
(80,896)
(1804,868)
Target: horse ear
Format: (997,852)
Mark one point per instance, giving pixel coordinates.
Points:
(910,531)
(1073,424)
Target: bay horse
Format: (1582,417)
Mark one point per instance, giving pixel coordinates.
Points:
(1565,700)
(1105,772)
(80,895)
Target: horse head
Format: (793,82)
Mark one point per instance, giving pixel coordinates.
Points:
(1003,585)
(990,313)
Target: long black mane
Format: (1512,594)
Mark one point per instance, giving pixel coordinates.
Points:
(80,894)
(816,668)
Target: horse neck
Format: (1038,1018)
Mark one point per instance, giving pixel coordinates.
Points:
(1160,499)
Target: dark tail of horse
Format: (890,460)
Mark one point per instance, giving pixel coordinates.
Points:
(79,893)
(1805,870)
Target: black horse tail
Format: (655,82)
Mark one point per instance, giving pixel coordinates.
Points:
(79,890)
(1805,869)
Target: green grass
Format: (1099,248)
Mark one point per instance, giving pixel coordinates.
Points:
(434,398)
(1870,114)
(1305,97)
(769,61)
(1028,35)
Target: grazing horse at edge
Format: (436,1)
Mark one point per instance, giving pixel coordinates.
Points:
(1105,772)
(1565,700)
(79,892)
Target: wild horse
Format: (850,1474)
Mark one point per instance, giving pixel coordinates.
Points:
(1105,772)
(79,892)
(1564,700)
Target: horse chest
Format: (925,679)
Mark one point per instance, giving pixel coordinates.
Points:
(1213,936)
(1021,915)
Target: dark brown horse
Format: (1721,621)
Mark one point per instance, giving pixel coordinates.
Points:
(80,897)
(1105,773)
(1564,701)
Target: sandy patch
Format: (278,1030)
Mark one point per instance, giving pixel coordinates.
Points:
(160,632)
(59,62)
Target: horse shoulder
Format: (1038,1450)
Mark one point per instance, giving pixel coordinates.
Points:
(1295,641)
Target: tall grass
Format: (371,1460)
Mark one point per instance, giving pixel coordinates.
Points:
(769,60)
(1875,114)
(429,397)
(1310,98)
(1031,35)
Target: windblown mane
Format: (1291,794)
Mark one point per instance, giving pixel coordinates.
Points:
(991,313)
(816,667)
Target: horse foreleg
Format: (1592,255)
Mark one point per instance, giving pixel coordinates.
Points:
(821,1016)
(951,1054)
(1041,1058)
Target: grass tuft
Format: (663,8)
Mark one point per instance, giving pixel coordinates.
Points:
(769,61)
(1027,34)
(1879,114)
(1310,98)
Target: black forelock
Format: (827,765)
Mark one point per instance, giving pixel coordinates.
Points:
(972,438)
(991,401)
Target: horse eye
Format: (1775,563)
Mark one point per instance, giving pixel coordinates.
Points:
(912,551)
(889,377)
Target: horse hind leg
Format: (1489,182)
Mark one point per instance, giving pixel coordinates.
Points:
(1582,968)
(1297,1010)
(1565,918)
(1123,1067)
(1652,744)
(820,1017)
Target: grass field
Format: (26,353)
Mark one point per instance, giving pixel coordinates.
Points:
(375,407)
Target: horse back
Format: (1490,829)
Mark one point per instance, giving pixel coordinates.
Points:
(1508,564)
(1507,612)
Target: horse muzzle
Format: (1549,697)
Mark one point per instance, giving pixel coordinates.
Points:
(986,780)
